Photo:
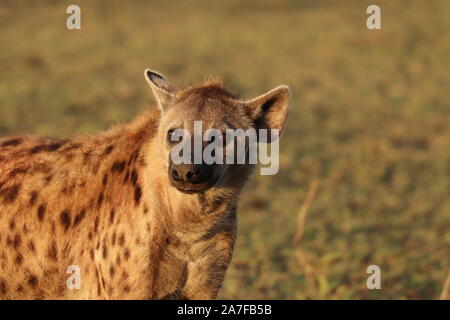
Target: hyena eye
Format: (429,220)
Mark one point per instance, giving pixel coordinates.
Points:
(173,136)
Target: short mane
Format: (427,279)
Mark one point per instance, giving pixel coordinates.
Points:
(213,87)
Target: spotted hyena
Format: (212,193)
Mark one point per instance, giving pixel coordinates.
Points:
(115,205)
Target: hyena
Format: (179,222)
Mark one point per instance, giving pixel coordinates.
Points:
(115,205)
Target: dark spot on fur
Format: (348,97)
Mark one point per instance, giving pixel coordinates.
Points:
(11,143)
(19,259)
(137,194)
(33,197)
(126,289)
(31,246)
(86,157)
(54,146)
(80,216)
(142,162)
(66,190)
(3,287)
(173,241)
(134,177)
(108,150)
(17,171)
(118,167)
(105,179)
(46,147)
(127,254)
(105,251)
(133,157)
(12,225)
(112,271)
(65,220)
(92,253)
(96,224)
(184,276)
(41,212)
(111,216)
(127,176)
(32,281)
(122,239)
(100,199)
(53,251)
(50,272)
(48,178)
(95,168)
(69,157)
(17,241)
(113,238)
(10,194)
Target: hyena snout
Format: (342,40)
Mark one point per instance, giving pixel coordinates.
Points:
(192,178)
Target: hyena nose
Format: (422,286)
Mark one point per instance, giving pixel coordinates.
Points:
(187,173)
(175,175)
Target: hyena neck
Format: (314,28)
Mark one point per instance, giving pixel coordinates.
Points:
(191,212)
(195,236)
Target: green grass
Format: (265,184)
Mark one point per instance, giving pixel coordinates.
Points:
(370,122)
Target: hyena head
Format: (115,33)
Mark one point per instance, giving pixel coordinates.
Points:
(195,118)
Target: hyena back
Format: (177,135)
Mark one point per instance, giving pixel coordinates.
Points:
(114,204)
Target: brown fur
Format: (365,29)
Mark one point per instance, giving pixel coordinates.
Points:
(103,203)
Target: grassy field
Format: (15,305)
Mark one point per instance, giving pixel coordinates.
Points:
(368,136)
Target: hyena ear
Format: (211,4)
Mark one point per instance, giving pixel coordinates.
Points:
(164,92)
(270,110)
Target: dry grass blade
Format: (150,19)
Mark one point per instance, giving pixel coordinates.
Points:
(446,288)
(306,267)
(303,212)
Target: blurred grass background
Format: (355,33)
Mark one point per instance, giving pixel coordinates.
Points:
(369,129)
